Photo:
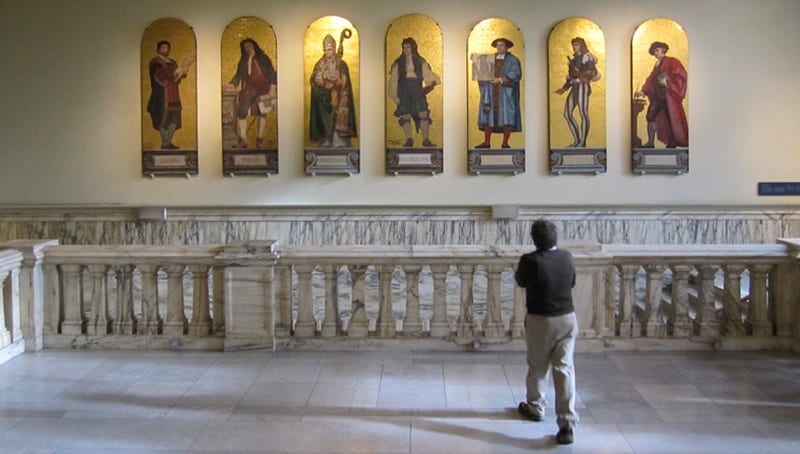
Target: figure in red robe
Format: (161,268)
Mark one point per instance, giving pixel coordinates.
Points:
(164,105)
(665,88)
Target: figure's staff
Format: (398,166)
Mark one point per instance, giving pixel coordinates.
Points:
(346,33)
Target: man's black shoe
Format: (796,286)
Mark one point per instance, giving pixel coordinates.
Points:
(525,411)
(565,436)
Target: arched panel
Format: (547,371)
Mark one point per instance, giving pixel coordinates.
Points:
(414,55)
(495,56)
(248,65)
(169,99)
(577,97)
(660,101)
(331,54)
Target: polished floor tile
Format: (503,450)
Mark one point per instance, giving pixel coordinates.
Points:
(391,402)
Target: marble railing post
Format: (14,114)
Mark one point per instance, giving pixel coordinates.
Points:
(732,301)
(412,324)
(655,275)
(176,317)
(612,323)
(201,319)
(250,294)
(591,301)
(757,322)
(283,300)
(628,326)
(151,322)
(439,323)
(126,319)
(5,334)
(706,309)
(466,316)
(305,326)
(218,297)
(359,324)
(681,323)
(784,284)
(31,290)
(494,318)
(100,322)
(386,325)
(330,324)
(52,302)
(73,322)
(787,293)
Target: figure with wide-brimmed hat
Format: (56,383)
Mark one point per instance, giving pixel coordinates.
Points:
(499,109)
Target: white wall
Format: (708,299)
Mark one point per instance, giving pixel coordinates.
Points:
(70,96)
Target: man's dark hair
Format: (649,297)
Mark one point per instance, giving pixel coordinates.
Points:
(544,234)
(256,47)
(658,45)
(161,43)
(411,42)
(581,44)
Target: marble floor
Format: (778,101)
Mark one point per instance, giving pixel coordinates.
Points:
(391,402)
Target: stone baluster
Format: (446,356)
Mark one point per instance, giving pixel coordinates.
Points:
(330,325)
(681,323)
(628,327)
(100,323)
(611,302)
(412,325)
(283,300)
(599,300)
(466,312)
(52,303)
(126,322)
(439,323)
(73,322)
(305,326)
(494,317)
(176,317)
(200,325)
(519,313)
(5,335)
(757,320)
(218,297)
(654,289)
(386,323)
(359,324)
(151,322)
(706,310)
(732,301)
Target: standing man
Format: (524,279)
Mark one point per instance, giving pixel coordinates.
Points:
(665,88)
(499,103)
(410,80)
(548,276)
(257,96)
(582,71)
(164,105)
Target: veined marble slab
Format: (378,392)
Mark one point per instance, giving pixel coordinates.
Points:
(395,226)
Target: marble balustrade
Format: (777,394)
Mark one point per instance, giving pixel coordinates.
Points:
(132,296)
(261,294)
